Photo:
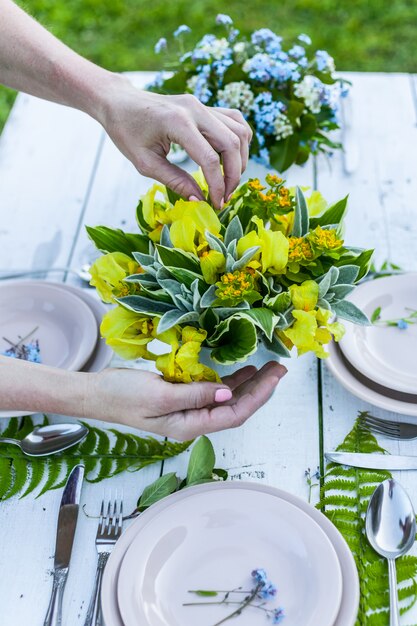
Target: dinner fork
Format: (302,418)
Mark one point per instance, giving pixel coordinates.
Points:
(389,428)
(108,532)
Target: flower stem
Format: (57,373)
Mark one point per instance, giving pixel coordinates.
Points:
(243,605)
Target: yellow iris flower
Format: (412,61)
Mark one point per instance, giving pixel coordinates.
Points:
(190,220)
(128,333)
(154,212)
(274,248)
(311,331)
(108,273)
(181,365)
(304,296)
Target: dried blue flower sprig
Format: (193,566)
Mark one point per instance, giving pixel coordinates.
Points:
(262,591)
(24,351)
(401,322)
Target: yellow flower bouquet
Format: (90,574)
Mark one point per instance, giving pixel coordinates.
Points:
(270,268)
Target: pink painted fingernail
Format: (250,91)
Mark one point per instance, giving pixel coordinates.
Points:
(229,197)
(222,203)
(222,395)
(194,199)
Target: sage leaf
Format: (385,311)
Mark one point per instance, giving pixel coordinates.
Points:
(202,460)
(162,487)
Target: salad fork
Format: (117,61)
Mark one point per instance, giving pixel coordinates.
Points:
(389,428)
(108,532)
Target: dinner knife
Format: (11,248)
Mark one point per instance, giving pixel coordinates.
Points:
(67,523)
(373,461)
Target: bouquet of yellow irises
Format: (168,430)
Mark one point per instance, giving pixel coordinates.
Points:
(271,267)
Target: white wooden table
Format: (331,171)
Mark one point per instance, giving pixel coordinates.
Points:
(59,171)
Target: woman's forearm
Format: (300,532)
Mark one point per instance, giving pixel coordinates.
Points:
(34,61)
(32,387)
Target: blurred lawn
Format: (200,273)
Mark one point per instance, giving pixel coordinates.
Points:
(364,35)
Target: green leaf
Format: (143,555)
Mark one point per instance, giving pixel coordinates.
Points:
(173,257)
(333,215)
(172,318)
(205,593)
(263,318)
(278,303)
(350,312)
(283,153)
(276,346)
(235,339)
(140,304)
(115,240)
(185,276)
(301,219)
(376,314)
(202,460)
(245,258)
(162,487)
(234,231)
(348,274)
(104,453)
(362,260)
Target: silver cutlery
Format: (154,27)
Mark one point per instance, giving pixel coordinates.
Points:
(83,272)
(391,529)
(108,532)
(373,461)
(51,439)
(389,428)
(67,523)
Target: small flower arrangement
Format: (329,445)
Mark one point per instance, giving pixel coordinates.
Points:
(271,268)
(289,95)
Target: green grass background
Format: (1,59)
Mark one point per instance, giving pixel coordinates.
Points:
(363,35)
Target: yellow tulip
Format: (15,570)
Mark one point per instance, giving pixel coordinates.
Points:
(108,273)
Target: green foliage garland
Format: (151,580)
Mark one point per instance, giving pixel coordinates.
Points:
(344,500)
(104,453)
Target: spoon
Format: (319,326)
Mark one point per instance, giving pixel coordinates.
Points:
(83,272)
(391,529)
(51,439)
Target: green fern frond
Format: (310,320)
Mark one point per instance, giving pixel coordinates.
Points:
(104,454)
(344,499)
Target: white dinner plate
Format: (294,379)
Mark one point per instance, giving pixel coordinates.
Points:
(386,355)
(102,353)
(346,615)
(366,389)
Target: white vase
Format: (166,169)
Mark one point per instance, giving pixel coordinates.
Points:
(258,359)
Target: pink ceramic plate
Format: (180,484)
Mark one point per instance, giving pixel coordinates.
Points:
(67,329)
(385,355)
(348,609)
(101,355)
(364,388)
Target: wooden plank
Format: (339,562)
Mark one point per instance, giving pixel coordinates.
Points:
(47,155)
(382,213)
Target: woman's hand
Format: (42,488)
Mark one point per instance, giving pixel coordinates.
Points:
(143,125)
(144,400)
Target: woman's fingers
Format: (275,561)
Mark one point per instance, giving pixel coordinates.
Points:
(241,130)
(174,177)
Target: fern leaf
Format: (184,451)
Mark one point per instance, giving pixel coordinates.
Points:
(20,470)
(36,477)
(12,428)
(344,499)
(104,453)
(54,467)
(6,477)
